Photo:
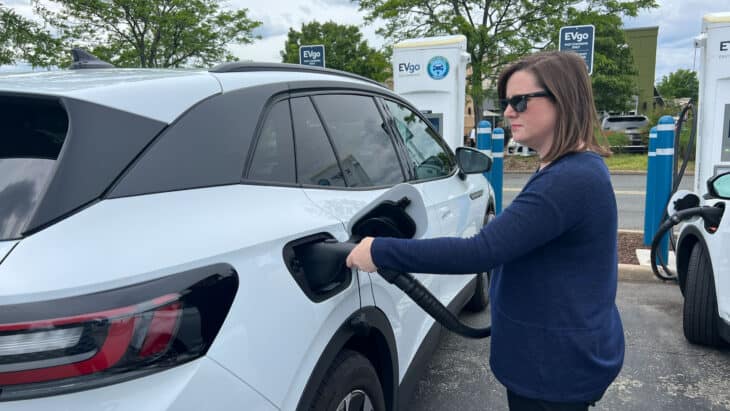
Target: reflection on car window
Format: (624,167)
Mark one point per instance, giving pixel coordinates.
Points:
(316,162)
(722,186)
(359,134)
(33,131)
(273,159)
(429,159)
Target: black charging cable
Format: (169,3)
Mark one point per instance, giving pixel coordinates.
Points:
(711,215)
(431,305)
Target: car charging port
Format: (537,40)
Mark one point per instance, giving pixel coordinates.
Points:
(317,263)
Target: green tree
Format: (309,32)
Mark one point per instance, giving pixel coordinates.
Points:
(344,47)
(681,83)
(25,40)
(150,33)
(497,31)
(612,78)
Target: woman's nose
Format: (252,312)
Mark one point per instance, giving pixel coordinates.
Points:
(510,111)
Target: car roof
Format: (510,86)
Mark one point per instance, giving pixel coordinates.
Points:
(160,94)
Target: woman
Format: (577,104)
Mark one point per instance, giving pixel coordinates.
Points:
(557,338)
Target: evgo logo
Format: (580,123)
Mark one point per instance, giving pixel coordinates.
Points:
(438,67)
(409,68)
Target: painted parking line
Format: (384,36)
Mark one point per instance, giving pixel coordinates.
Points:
(617,192)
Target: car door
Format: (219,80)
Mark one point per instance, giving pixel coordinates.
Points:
(447,195)
(365,164)
(277,307)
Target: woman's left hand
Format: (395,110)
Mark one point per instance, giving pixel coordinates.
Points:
(361,258)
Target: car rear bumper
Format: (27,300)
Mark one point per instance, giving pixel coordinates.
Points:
(198,385)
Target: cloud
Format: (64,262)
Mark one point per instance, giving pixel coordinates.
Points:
(278,16)
(265,50)
(679,21)
(270,27)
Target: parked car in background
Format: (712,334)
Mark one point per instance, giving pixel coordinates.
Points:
(516,148)
(155,228)
(622,123)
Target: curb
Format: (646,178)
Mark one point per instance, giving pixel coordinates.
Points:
(636,273)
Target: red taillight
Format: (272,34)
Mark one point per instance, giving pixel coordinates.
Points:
(93,348)
(162,328)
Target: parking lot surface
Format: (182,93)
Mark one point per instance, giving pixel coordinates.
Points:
(661,371)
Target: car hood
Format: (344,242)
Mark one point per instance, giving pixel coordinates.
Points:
(5,247)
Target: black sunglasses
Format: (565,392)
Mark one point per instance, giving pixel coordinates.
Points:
(519,102)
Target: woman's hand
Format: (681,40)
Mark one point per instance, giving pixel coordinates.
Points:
(361,258)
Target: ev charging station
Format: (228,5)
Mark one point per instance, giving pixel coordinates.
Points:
(713,132)
(703,261)
(431,73)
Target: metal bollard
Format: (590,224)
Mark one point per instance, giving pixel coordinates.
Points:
(484,141)
(664,162)
(650,221)
(497,167)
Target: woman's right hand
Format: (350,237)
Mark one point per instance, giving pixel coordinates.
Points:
(360,256)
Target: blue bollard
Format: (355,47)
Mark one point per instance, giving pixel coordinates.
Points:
(484,141)
(664,163)
(650,221)
(497,167)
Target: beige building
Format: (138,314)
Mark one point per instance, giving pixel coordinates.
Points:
(643,43)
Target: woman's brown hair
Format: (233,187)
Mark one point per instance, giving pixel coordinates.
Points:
(564,75)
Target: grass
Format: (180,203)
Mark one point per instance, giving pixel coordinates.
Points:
(617,162)
(627,162)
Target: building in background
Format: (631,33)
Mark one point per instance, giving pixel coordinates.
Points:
(643,45)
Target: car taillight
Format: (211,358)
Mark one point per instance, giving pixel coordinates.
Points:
(82,342)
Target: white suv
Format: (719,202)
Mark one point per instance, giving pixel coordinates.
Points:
(623,123)
(153,225)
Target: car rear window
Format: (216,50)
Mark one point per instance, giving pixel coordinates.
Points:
(32,132)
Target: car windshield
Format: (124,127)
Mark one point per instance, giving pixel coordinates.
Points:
(33,132)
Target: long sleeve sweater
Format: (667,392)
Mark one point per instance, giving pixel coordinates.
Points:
(556,331)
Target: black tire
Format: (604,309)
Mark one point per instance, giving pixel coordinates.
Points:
(701,319)
(351,376)
(480,300)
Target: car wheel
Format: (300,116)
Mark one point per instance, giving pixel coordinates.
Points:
(480,300)
(350,384)
(700,317)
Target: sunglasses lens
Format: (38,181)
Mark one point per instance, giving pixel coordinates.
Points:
(504,103)
(519,103)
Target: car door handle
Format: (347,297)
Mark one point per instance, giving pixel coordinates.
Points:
(445,213)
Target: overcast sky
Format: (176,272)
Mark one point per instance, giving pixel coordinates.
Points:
(679,22)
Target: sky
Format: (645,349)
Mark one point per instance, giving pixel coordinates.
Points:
(679,21)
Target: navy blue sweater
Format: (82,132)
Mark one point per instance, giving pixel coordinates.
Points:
(556,331)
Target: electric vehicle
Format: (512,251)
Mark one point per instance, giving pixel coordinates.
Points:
(703,262)
(156,229)
(623,123)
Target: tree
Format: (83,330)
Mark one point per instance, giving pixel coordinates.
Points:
(497,31)
(612,78)
(344,49)
(25,40)
(150,33)
(681,83)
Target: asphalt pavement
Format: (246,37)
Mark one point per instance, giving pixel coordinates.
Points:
(661,371)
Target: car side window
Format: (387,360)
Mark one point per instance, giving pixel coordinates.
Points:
(359,133)
(316,161)
(273,159)
(428,156)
